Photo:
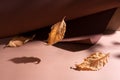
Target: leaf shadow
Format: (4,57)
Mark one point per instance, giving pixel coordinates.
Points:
(117,55)
(116,43)
(72,46)
(19,60)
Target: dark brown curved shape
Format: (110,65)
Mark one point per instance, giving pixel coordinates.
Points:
(17,16)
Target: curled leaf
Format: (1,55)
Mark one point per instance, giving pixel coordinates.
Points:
(93,63)
(19,41)
(57,32)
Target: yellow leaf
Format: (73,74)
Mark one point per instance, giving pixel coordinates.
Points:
(57,32)
(19,41)
(94,62)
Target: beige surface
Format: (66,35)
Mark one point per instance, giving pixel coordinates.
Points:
(56,62)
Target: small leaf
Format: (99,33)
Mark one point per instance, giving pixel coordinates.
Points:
(93,63)
(57,32)
(19,41)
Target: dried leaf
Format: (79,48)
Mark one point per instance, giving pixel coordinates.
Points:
(94,62)
(57,32)
(19,41)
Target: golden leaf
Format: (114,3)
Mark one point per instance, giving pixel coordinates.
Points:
(94,62)
(19,41)
(57,32)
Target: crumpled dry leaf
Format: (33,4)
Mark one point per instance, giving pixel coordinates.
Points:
(19,41)
(93,63)
(57,32)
